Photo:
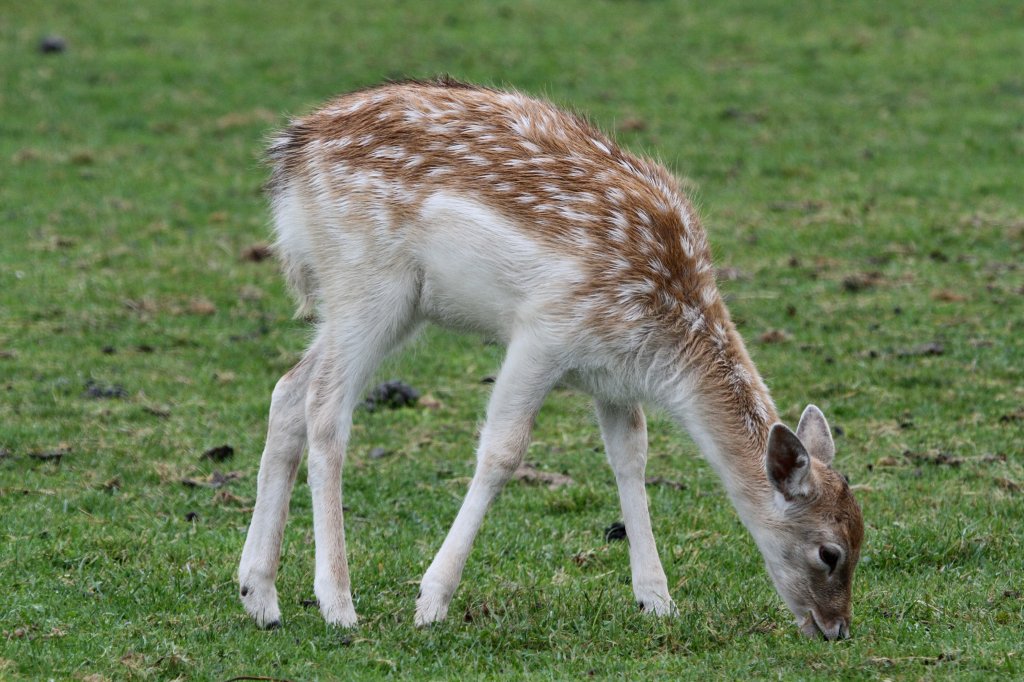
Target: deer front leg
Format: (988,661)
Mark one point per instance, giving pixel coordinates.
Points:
(624,430)
(525,379)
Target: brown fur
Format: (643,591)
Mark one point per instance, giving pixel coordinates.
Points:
(558,176)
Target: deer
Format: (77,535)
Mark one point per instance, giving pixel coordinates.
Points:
(488,211)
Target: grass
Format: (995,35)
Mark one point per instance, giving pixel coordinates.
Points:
(858,168)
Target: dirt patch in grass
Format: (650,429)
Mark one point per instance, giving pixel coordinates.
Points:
(528,473)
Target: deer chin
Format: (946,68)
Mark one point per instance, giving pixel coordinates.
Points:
(808,627)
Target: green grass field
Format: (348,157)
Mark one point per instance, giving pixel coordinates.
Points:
(860,171)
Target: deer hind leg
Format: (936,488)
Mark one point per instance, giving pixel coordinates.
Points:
(526,376)
(286,438)
(624,431)
(354,347)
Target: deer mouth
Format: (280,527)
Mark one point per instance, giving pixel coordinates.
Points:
(813,625)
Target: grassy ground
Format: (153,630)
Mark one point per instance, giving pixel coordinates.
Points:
(860,173)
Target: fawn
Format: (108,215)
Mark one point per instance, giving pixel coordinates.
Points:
(493,212)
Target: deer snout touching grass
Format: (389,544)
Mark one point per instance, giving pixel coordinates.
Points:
(493,212)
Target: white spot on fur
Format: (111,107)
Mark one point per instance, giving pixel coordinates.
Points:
(413,116)
(615,195)
(708,295)
(695,318)
(576,216)
(718,336)
(684,243)
(391,152)
(684,213)
(740,375)
(618,233)
(353,107)
(658,267)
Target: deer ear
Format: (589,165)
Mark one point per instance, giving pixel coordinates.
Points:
(787,463)
(814,432)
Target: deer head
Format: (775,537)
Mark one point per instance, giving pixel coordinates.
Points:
(815,529)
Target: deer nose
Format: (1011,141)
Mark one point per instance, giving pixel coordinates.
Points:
(831,630)
(844,630)
(837,629)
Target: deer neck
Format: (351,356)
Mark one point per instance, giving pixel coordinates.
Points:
(729,413)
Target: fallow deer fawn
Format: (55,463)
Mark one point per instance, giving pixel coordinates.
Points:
(493,212)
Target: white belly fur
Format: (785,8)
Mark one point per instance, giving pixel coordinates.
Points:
(480,272)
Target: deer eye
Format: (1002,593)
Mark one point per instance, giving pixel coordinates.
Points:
(830,556)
